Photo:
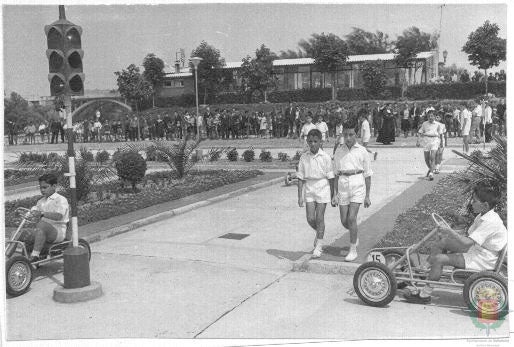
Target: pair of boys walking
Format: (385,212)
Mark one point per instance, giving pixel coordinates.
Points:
(345,181)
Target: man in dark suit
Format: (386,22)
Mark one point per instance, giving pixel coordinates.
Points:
(290,118)
(377,119)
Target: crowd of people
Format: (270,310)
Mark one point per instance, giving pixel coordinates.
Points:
(386,120)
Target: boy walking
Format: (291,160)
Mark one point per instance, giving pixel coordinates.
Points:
(353,168)
(315,174)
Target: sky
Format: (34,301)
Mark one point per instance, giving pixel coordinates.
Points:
(115,36)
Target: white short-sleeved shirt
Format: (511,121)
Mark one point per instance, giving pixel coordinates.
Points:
(322,126)
(54,203)
(466,117)
(365,131)
(306,128)
(315,166)
(490,236)
(428,128)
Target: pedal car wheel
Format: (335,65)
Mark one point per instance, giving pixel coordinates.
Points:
(485,293)
(391,256)
(375,284)
(84,244)
(18,272)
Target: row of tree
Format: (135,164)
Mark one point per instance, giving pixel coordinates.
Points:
(330,53)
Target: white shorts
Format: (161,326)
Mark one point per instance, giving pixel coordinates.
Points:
(473,262)
(431,143)
(365,139)
(351,189)
(317,191)
(59,227)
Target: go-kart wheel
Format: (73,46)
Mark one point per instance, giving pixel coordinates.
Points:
(84,244)
(485,293)
(375,284)
(391,256)
(18,273)
(440,221)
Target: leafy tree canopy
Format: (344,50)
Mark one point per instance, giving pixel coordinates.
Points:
(374,77)
(210,73)
(290,54)
(484,48)
(257,73)
(360,41)
(328,50)
(132,85)
(154,69)
(411,42)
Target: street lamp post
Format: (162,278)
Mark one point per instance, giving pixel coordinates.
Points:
(196,61)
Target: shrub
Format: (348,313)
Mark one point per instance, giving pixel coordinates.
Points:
(179,156)
(116,155)
(102,156)
(265,156)
(215,153)
(131,167)
(459,90)
(86,154)
(283,156)
(232,154)
(31,157)
(249,155)
(297,155)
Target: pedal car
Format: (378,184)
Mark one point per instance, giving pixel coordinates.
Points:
(376,281)
(19,270)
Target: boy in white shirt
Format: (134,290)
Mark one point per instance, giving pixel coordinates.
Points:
(365,133)
(316,175)
(323,128)
(431,133)
(306,128)
(479,250)
(442,144)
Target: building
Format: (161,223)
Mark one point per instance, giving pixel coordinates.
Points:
(302,73)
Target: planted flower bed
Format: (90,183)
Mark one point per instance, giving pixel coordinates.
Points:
(411,226)
(109,200)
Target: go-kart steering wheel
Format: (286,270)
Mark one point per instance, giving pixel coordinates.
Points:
(26,214)
(439,221)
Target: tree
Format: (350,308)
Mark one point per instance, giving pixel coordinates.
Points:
(484,48)
(133,86)
(290,54)
(409,44)
(210,72)
(374,77)
(153,73)
(329,52)
(360,41)
(18,110)
(257,73)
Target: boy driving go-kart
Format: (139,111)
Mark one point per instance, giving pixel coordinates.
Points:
(479,250)
(52,213)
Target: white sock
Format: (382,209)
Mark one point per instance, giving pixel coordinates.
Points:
(353,247)
(319,243)
(426,291)
(35,254)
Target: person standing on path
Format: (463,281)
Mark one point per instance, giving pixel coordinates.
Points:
(431,132)
(306,128)
(465,116)
(365,134)
(352,166)
(316,175)
(386,134)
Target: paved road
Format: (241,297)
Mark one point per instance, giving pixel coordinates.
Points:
(178,279)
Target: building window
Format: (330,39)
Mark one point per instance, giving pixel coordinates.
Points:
(167,83)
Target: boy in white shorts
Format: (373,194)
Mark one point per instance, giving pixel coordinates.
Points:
(53,213)
(308,126)
(442,144)
(316,176)
(479,250)
(353,168)
(431,132)
(366,133)
(323,128)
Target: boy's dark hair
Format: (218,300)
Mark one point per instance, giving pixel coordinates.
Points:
(488,192)
(315,133)
(49,178)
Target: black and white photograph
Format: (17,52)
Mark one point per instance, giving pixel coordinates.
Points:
(221,173)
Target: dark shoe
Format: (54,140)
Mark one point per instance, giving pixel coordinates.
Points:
(416,299)
(375,156)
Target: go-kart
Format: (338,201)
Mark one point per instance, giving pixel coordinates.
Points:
(389,268)
(19,270)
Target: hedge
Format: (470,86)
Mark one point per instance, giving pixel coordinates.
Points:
(456,90)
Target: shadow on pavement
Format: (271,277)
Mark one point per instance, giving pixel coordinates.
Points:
(290,255)
(49,270)
(357,301)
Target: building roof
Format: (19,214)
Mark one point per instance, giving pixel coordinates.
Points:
(351,59)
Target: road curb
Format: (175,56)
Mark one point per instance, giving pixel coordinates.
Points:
(306,264)
(104,234)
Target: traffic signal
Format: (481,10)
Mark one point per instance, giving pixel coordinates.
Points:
(64,55)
